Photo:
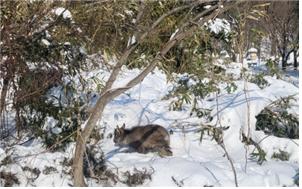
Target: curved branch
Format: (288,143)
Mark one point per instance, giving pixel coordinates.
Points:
(130,49)
(107,95)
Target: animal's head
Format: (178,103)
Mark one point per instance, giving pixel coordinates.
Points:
(119,135)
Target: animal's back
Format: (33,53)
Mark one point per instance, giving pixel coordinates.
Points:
(150,138)
(151,133)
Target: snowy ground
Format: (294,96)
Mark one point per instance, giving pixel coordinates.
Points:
(193,163)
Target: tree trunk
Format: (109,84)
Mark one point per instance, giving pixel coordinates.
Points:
(259,51)
(283,61)
(110,94)
(295,59)
(284,51)
(273,47)
(82,137)
(3,125)
(241,56)
(78,179)
(3,94)
(233,55)
(18,121)
(95,115)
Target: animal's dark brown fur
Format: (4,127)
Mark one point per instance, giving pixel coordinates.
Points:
(143,139)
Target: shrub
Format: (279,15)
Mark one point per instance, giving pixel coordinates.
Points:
(281,155)
(36,58)
(138,177)
(259,80)
(276,119)
(272,68)
(9,179)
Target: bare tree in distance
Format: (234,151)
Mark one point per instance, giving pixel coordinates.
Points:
(282,24)
(243,19)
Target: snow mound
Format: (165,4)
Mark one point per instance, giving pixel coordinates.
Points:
(193,163)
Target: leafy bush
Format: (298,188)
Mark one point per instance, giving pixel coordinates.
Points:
(7,179)
(276,119)
(259,80)
(259,154)
(272,67)
(196,85)
(281,155)
(55,125)
(189,90)
(40,49)
(138,177)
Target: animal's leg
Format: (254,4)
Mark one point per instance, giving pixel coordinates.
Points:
(164,151)
(142,150)
(130,150)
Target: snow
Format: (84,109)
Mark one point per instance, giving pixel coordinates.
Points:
(207,6)
(45,42)
(173,34)
(61,10)
(252,50)
(219,25)
(193,163)
(48,36)
(131,41)
(129,12)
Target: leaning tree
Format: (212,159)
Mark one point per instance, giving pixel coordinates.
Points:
(194,16)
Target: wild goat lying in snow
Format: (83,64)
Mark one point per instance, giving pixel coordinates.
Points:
(144,139)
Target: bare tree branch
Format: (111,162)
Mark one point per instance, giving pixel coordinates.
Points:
(107,95)
(128,51)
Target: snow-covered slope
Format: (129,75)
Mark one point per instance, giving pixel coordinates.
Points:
(193,163)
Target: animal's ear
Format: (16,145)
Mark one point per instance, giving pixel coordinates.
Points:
(123,126)
(117,129)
